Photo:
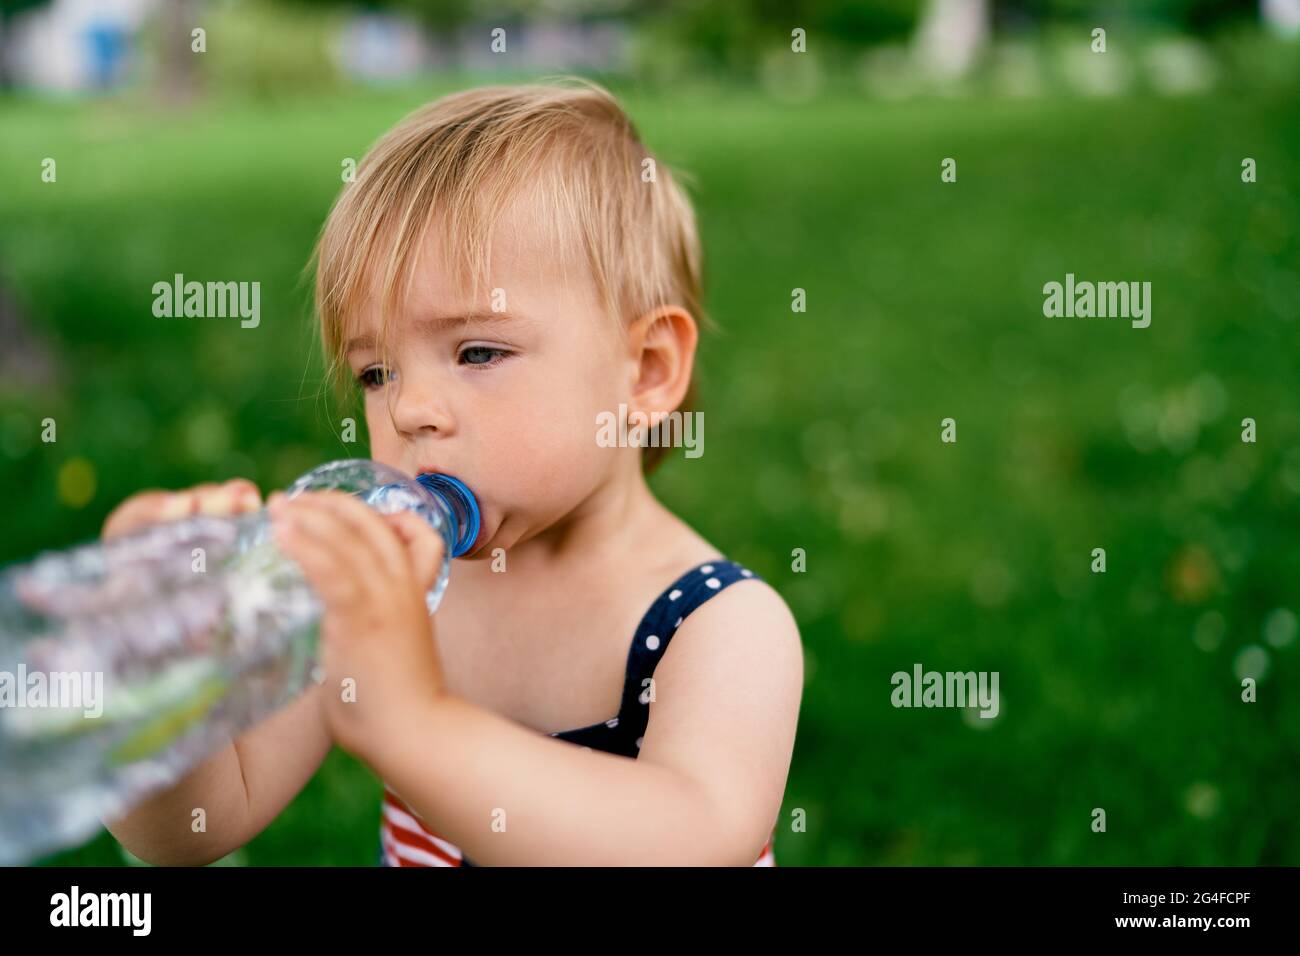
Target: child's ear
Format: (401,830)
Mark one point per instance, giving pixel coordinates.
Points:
(662,344)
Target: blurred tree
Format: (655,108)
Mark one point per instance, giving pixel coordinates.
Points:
(441,19)
(951,35)
(270,48)
(734,33)
(177,71)
(27,361)
(848,22)
(9,10)
(448,15)
(1194,15)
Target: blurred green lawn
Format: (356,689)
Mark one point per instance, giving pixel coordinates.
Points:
(1119,690)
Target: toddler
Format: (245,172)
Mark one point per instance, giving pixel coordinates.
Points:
(600,684)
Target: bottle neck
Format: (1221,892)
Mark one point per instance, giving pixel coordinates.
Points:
(461,505)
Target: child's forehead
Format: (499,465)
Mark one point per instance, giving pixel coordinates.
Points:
(518,250)
(524,256)
(529,272)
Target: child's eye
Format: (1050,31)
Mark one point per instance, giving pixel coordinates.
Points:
(481,355)
(376,376)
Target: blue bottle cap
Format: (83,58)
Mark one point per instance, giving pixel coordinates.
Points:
(462,503)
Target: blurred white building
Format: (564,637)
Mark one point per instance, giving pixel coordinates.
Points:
(386,46)
(76,45)
(1282,16)
(379,47)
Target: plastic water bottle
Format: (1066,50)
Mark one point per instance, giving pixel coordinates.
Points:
(125,663)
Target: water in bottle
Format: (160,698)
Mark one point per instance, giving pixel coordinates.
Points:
(125,663)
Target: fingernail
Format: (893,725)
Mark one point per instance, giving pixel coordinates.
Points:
(175,506)
(217,503)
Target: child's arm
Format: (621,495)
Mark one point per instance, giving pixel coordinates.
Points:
(241,788)
(705,789)
(244,786)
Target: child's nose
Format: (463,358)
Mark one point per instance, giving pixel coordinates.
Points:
(421,407)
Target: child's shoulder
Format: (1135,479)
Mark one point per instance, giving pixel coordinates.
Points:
(749,609)
(726,691)
(728,598)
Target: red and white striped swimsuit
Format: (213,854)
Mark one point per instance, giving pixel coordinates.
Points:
(405,840)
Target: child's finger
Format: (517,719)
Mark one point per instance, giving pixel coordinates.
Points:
(135,512)
(325,531)
(363,524)
(424,548)
(244,495)
(321,529)
(233,497)
(334,584)
(236,496)
(190,501)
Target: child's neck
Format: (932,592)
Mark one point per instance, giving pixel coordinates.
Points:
(621,515)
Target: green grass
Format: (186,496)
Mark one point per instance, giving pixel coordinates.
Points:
(924,302)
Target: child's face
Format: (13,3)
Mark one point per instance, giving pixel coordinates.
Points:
(506,402)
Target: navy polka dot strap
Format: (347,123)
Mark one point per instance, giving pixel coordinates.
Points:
(622,734)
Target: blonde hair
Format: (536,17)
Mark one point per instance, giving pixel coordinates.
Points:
(457,162)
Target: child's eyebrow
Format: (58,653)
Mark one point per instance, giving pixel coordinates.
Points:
(432,323)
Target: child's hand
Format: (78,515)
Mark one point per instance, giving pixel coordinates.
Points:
(234,497)
(237,496)
(371,572)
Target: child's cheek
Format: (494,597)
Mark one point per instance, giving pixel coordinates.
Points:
(547,455)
